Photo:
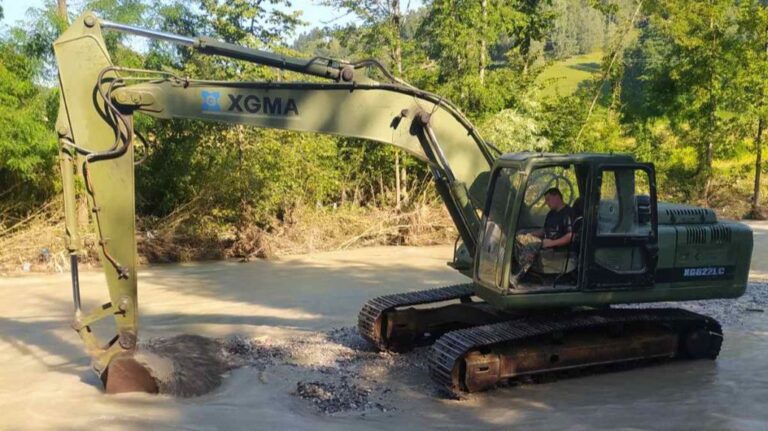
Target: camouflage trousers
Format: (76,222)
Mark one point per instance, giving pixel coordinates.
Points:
(527,248)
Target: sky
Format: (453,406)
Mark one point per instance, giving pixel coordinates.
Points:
(314,14)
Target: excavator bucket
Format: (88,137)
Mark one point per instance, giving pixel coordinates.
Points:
(125,374)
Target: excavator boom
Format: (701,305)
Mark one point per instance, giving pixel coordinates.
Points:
(95,126)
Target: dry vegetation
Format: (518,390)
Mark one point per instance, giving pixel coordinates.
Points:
(36,244)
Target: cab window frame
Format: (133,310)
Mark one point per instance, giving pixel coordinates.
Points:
(518,178)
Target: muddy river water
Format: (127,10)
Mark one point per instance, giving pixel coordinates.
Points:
(290,305)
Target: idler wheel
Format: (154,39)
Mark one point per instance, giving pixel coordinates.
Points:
(700,344)
(125,374)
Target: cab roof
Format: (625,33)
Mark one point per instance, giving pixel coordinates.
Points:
(583,158)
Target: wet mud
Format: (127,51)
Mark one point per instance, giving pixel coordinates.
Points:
(340,371)
(280,340)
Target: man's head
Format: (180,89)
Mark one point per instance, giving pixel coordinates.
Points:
(554,199)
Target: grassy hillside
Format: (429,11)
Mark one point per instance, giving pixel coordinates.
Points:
(563,77)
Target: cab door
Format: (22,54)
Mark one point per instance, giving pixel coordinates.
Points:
(493,251)
(621,242)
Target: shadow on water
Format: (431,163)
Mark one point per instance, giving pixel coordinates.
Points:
(303,294)
(28,336)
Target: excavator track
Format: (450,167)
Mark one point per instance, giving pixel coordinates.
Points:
(371,320)
(478,358)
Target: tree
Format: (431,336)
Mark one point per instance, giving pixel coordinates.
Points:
(514,131)
(251,22)
(27,141)
(238,177)
(380,35)
(699,68)
(577,28)
(749,88)
(461,35)
(321,42)
(62,9)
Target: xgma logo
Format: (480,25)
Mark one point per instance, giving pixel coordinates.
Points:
(250,104)
(211,101)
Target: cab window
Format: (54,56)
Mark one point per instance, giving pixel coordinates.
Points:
(494,240)
(534,209)
(624,210)
(624,206)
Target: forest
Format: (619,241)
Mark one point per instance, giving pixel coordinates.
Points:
(678,83)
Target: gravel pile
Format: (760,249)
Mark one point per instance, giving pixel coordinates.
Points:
(330,398)
(729,312)
(238,351)
(336,371)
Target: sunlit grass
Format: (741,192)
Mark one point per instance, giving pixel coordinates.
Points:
(564,77)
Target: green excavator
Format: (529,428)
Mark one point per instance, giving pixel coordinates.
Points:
(567,313)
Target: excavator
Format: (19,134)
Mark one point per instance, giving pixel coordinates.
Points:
(576,309)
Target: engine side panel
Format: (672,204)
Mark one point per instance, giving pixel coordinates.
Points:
(697,261)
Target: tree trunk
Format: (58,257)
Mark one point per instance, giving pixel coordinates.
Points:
(404,179)
(62,6)
(712,127)
(397,48)
(240,173)
(483,34)
(397,59)
(382,193)
(756,213)
(397,180)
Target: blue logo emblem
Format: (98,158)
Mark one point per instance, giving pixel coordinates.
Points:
(211,101)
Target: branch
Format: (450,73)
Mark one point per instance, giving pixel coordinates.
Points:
(608,70)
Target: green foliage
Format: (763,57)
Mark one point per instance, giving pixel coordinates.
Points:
(124,11)
(578,28)
(674,96)
(512,131)
(690,69)
(687,93)
(563,118)
(240,175)
(36,39)
(236,169)
(321,42)
(648,87)
(250,22)
(27,141)
(380,34)
(748,91)
(699,66)
(463,35)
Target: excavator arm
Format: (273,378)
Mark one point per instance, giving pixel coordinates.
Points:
(95,127)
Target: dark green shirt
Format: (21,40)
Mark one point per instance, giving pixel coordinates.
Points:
(558,223)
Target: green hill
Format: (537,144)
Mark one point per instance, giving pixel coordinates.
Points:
(563,77)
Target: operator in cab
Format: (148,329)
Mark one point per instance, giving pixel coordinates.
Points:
(557,232)
(558,226)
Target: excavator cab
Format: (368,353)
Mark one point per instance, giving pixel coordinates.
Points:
(614,221)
